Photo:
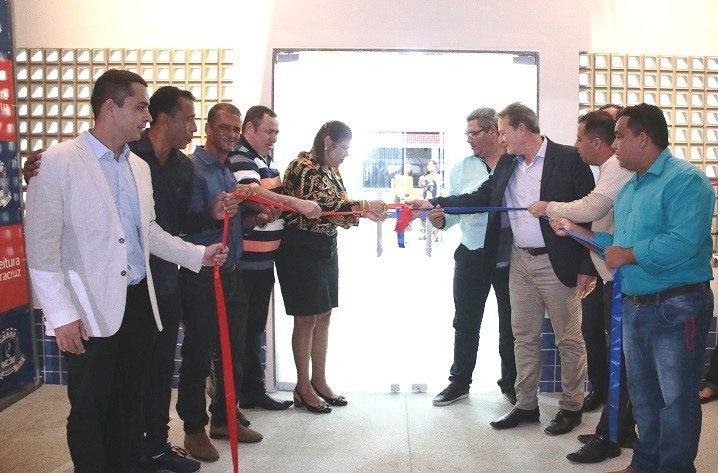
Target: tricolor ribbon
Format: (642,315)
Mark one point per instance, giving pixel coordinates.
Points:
(404,216)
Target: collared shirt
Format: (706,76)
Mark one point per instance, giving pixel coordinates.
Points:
(525,187)
(118,175)
(665,216)
(596,207)
(466,176)
(210,179)
(172,192)
(260,243)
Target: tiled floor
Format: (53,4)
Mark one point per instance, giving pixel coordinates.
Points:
(393,433)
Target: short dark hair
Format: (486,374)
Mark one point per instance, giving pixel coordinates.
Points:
(335,130)
(115,84)
(599,124)
(485,116)
(648,119)
(167,100)
(221,107)
(255,114)
(518,113)
(619,108)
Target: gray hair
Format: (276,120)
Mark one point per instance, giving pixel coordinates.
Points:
(485,116)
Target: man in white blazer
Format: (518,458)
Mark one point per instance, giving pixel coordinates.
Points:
(90,228)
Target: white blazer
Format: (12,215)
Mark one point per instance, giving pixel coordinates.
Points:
(75,243)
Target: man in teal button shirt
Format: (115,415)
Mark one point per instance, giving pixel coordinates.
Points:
(662,244)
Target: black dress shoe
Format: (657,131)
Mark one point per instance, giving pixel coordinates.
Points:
(332,401)
(564,422)
(516,417)
(624,441)
(265,402)
(242,419)
(593,401)
(595,451)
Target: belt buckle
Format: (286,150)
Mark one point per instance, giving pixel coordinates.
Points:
(646,300)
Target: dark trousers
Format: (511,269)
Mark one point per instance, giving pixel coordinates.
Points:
(201,344)
(258,285)
(156,402)
(471,289)
(105,388)
(626,422)
(594,329)
(712,376)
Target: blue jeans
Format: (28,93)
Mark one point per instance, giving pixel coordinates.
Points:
(471,289)
(664,345)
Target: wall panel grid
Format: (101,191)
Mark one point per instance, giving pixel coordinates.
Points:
(54,85)
(684,87)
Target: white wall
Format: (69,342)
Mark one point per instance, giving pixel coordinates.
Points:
(557,29)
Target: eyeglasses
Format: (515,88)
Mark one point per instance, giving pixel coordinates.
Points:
(474,134)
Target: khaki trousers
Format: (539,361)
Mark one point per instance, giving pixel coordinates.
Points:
(534,289)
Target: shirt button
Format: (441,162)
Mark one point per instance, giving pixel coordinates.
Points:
(122,240)
(123,273)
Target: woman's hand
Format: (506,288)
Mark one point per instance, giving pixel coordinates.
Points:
(375,210)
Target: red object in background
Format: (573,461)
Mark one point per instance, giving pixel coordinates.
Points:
(7,102)
(13,268)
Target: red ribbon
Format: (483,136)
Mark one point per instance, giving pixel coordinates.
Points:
(403,219)
(227,373)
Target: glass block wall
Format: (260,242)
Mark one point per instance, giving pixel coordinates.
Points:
(53,99)
(54,85)
(684,87)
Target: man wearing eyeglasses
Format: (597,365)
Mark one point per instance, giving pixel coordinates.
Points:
(472,282)
(547,274)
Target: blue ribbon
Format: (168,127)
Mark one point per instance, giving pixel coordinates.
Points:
(614,387)
(452,211)
(614,384)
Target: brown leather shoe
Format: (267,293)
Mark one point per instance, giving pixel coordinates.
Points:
(244,434)
(200,447)
(628,469)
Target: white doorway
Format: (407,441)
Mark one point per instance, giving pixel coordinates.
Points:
(394,321)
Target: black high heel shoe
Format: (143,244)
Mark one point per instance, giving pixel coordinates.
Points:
(322,408)
(334,401)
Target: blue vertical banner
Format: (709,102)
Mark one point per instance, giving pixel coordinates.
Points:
(17,365)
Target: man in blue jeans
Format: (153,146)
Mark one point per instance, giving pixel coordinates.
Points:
(662,244)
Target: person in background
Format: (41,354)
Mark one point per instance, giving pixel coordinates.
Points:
(307,260)
(251,164)
(402,184)
(612,109)
(432,184)
(663,246)
(90,228)
(710,387)
(472,280)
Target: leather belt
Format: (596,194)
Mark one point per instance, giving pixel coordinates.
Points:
(209,269)
(534,251)
(658,297)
